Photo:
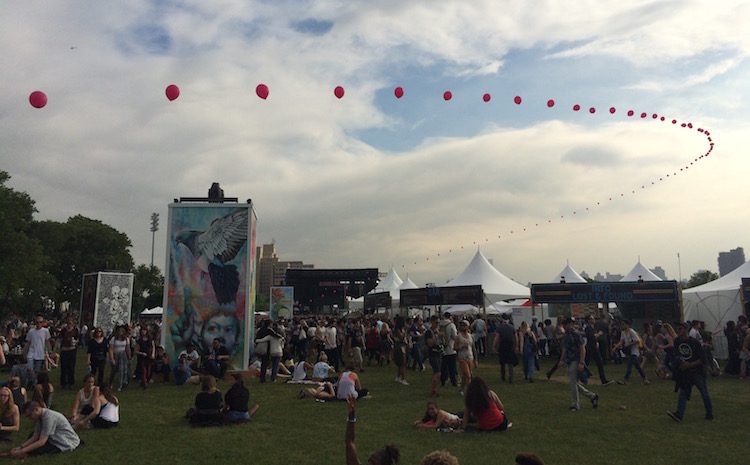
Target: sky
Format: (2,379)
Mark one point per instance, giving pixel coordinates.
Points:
(370,180)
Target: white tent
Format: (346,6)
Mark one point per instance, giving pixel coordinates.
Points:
(716,303)
(408,284)
(640,272)
(496,286)
(154,312)
(569,275)
(390,283)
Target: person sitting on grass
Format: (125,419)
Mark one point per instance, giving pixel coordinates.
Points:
(161,364)
(52,433)
(84,397)
(435,418)
(208,404)
(300,370)
(349,384)
(322,369)
(483,404)
(44,391)
(183,373)
(18,391)
(104,411)
(236,400)
(527,458)
(10,419)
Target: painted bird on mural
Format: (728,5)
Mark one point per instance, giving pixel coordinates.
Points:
(216,246)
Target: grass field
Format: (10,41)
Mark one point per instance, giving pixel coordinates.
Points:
(629,426)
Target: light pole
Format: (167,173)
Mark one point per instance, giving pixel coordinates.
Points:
(154,228)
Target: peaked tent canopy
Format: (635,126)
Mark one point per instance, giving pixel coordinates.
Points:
(569,275)
(389,283)
(496,286)
(408,284)
(640,272)
(718,301)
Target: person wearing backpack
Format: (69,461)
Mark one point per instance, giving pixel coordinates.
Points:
(629,343)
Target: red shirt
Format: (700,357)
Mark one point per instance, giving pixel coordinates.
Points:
(490,418)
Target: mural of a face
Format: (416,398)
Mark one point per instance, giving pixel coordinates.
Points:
(222,327)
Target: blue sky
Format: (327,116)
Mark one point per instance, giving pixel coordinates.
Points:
(373,181)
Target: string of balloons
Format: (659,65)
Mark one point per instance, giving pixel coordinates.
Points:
(38,99)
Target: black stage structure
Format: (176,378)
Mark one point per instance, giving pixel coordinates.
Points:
(321,291)
(636,300)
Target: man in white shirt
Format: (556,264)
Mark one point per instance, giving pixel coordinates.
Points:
(329,344)
(194,359)
(36,344)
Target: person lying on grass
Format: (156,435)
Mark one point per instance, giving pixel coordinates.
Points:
(435,418)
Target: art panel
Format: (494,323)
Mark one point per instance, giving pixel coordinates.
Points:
(210,279)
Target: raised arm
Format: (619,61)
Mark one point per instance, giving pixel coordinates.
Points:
(351,448)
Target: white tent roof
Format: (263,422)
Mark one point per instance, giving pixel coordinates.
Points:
(640,272)
(408,284)
(570,275)
(153,311)
(729,282)
(496,286)
(390,283)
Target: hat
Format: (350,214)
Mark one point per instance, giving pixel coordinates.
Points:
(681,323)
(447,314)
(464,322)
(533,318)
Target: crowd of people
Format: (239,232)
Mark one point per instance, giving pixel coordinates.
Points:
(331,353)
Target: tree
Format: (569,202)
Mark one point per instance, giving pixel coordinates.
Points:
(79,246)
(23,283)
(148,288)
(701,277)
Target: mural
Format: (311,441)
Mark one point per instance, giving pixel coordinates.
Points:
(107,299)
(210,270)
(282,301)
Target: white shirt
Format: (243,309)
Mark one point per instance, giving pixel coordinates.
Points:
(37,339)
(330,335)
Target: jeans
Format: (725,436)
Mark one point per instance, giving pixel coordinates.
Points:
(700,383)
(449,369)
(575,388)
(275,359)
(529,360)
(633,360)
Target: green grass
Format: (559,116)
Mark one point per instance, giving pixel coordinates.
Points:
(630,425)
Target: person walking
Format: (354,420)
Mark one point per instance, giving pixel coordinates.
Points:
(448,332)
(629,342)
(688,373)
(506,342)
(573,356)
(592,349)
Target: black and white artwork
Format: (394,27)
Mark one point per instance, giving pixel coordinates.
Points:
(114,300)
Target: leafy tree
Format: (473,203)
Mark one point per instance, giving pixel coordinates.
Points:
(23,282)
(80,246)
(148,288)
(701,277)
(262,303)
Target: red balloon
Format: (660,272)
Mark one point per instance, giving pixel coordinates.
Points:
(38,99)
(550,103)
(631,112)
(486,97)
(612,110)
(172,92)
(262,91)
(592,110)
(447,95)
(517,99)
(643,115)
(576,107)
(398,92)
(338,91)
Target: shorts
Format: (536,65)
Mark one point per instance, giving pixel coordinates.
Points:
(464,367)
(436,362)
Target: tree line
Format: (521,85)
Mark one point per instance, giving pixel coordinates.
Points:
(42,263)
